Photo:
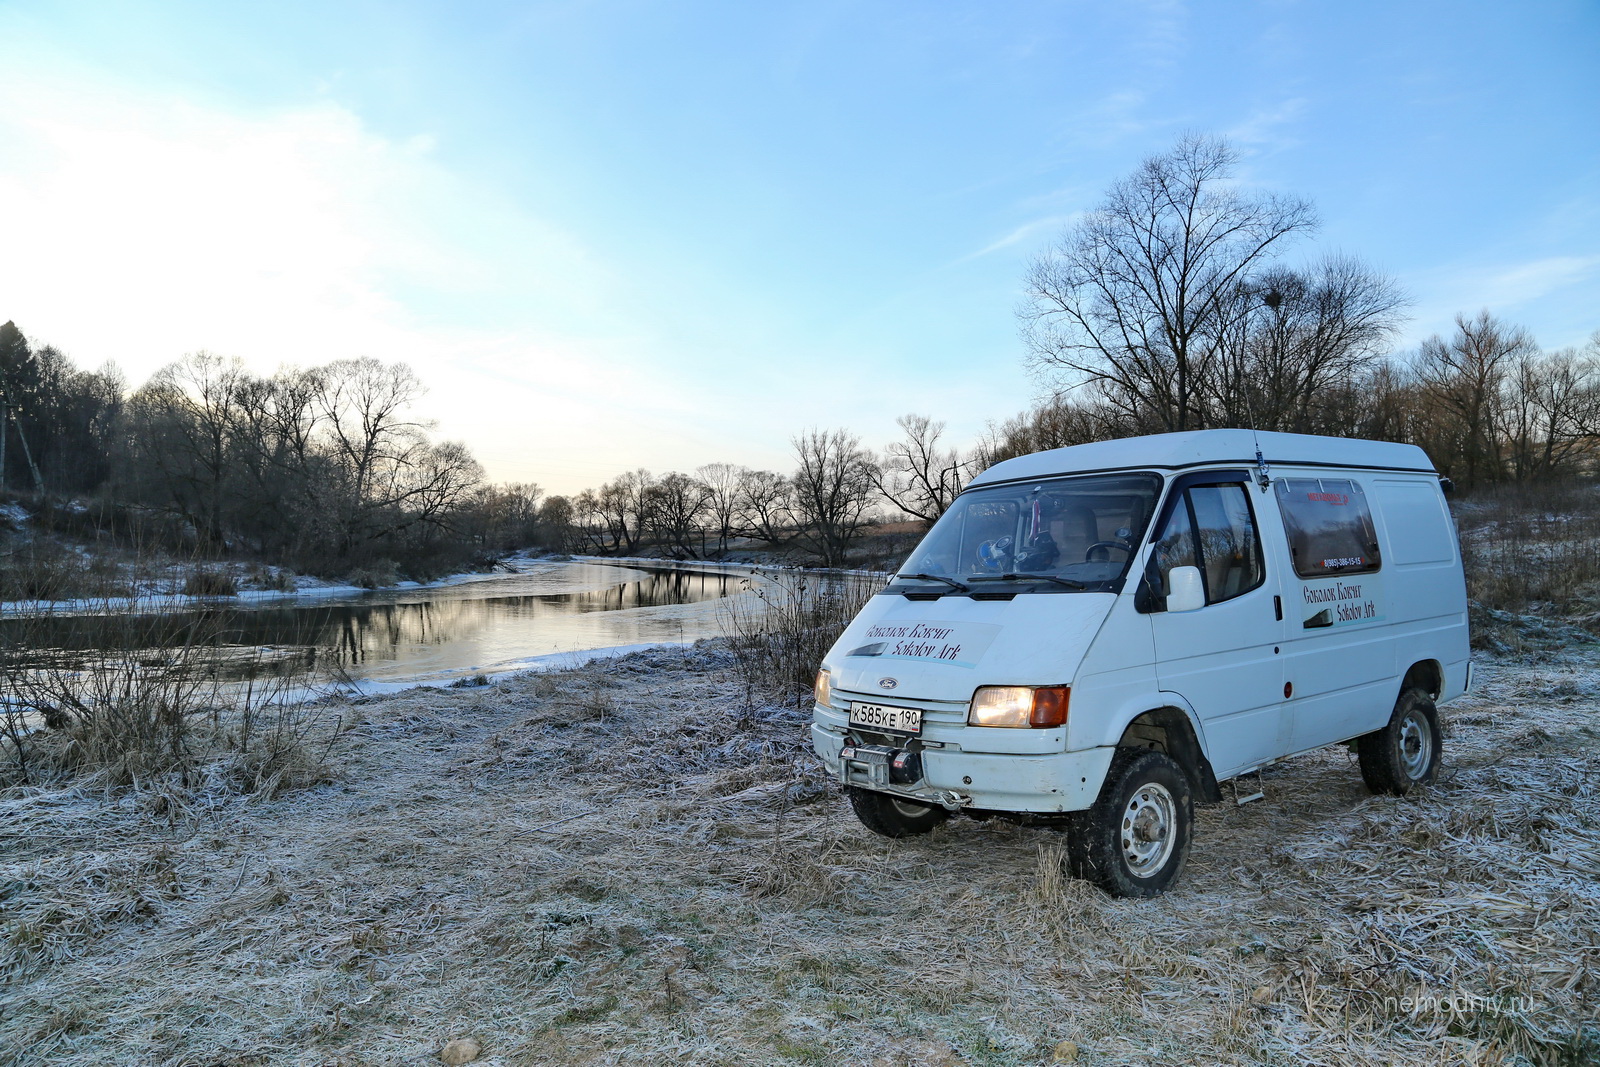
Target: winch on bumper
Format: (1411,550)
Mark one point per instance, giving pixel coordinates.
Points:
(954,779)
(879,766)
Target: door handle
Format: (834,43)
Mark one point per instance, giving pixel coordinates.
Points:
(1277,607)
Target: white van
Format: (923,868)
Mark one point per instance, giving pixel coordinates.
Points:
(1093,636)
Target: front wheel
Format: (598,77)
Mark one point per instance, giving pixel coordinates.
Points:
(893,817)
(1135,839)
(1405,753)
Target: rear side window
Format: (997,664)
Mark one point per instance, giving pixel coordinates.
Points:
(1213,528)
(1329,527)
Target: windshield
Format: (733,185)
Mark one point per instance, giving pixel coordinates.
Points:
(1064,534)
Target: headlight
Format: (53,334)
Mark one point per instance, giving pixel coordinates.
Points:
(1019,706)
(823,688)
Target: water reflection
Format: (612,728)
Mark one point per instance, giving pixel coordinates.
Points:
(407,635)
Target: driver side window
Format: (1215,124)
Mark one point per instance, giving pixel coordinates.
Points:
(1212,527)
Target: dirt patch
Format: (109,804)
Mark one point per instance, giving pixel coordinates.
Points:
(623,865)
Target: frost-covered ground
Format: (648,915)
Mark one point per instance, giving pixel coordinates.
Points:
(620,865)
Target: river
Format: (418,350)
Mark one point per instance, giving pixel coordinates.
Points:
(547,612)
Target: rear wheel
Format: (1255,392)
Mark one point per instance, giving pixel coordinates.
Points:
(893,816)
(1405,753)
(1135,839)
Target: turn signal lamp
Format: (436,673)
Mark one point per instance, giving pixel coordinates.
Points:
(824,688)
(1022,706)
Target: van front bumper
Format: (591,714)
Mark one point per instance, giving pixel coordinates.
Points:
(954,779)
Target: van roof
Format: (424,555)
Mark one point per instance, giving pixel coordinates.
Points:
(1195,448)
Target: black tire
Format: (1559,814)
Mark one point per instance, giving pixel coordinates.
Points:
(1133,842)
(1406,752)
(892,816)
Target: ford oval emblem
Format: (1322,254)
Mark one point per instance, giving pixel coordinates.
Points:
(888,683)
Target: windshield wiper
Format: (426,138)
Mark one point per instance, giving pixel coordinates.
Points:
(1068,582)
(938,578)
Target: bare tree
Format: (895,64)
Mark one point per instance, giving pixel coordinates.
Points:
(1580,416)
(590,528)
(1549,413)
(677,508)
(1299,337)
(1141,297)
(916,474)
(187,416)
(1465,378)
(623,507)
(503,517)
(766,506)
(434,487)
(557,525)
(1055,423)
(722,482)
(833,489)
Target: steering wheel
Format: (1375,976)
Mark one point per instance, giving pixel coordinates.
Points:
(1088,554)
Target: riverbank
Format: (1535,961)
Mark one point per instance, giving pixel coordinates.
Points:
(162,589)
(620,865)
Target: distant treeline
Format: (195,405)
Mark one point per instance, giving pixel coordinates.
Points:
(323,469)
(328,470)
(1486,403)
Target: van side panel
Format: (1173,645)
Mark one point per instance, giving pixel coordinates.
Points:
(1426,578)
(1346,677)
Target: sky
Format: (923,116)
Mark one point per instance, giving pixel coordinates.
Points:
(619,233)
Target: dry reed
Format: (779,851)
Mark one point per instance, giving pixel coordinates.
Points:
(160,694)
(779,634)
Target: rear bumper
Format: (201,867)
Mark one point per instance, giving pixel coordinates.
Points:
(1063,781)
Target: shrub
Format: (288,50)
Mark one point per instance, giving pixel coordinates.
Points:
(210,581)
(274,579)
(1531,547)
(42,569)
(780,630)
(375,575)
(162,695)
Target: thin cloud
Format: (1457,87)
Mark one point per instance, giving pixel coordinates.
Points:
(1027,231)
(1530,281)
(1264,127)
(1165,33)
(1503,289)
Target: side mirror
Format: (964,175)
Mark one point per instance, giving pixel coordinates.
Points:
(1187,592)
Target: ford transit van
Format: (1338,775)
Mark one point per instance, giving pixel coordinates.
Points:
(1093,637)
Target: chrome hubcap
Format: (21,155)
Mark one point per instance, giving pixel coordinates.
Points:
(1416,746)
(1149,825)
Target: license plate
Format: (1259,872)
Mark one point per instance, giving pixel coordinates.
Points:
(886,717)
